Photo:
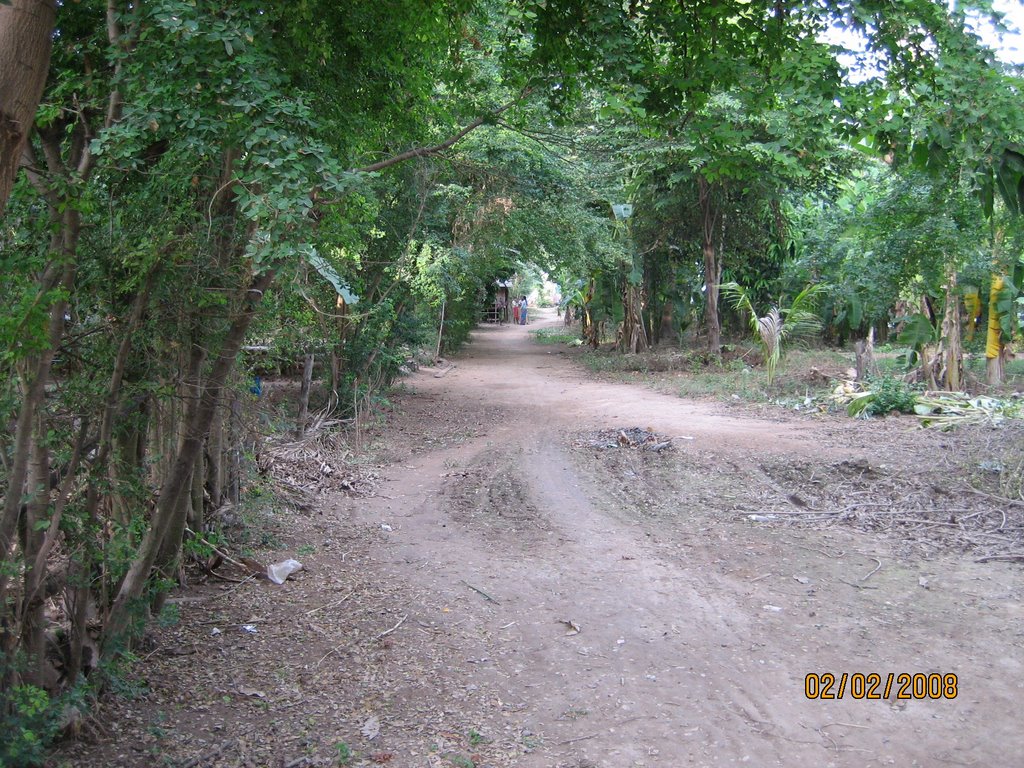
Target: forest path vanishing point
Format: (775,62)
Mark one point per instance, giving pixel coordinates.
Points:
(538,580)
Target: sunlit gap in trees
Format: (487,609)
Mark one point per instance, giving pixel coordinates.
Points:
(1006,41)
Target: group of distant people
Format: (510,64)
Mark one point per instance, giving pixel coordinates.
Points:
(519,310)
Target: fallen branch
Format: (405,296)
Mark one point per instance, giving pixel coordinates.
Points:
(793,513)
(329,605)
(351,643)
(444,371)
(401,621)
(855,586)
(215,550)
(1007,558)
(993,497)
(479,591)
(876,569)
(227,578)
(927,523)
(578,738)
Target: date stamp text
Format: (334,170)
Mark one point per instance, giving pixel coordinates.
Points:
(874,685)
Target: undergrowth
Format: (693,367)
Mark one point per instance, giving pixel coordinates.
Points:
(737,376)
(563,335)
(890,394)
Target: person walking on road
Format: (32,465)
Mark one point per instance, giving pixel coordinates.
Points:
(522,311)
(515,312)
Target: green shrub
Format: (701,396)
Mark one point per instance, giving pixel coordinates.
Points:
(890,394)
(29,721)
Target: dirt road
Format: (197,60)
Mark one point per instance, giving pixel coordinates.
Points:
(558,572)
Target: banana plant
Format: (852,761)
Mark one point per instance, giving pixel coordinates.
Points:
(780,323)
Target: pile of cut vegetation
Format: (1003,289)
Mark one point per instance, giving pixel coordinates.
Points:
(636,438)
(944,410)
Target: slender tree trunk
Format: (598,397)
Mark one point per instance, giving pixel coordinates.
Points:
(33,640)
(197,517)
(26,37)
(215,460)
(440,331)
(712,269)
(163,539)
(34,381)
(865,356)
(882,331)
(106,456)
(307,382)
(78,593)
(951,335)
(77,587)
(335,375)
(234,473)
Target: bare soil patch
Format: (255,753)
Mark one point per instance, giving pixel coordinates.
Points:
(518,577)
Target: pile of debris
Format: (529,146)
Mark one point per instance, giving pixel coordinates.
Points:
(942,410)
(318,463)
(636,438)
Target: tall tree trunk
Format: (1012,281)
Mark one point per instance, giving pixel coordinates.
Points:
(951,335)
(633,336)
(66,223)
(26,37)
(712,269)
(162,541)
(864,352)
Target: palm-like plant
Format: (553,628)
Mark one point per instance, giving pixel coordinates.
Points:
(800,318)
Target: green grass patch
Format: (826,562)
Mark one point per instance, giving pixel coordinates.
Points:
(737,376)
(555,335)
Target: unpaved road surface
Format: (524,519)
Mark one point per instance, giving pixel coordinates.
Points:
(553,571)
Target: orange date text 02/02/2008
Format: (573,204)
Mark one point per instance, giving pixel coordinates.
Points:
(874,685)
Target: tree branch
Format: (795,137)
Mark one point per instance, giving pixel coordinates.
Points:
(449,142)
